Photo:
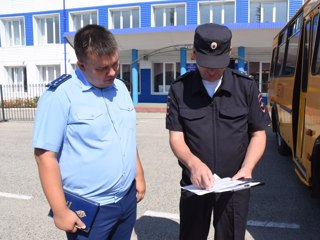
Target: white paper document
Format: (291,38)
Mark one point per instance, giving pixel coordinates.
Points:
(223,185)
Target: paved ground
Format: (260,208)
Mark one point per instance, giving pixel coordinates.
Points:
(282,209)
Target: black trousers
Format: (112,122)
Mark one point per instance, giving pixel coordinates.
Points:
(230,212)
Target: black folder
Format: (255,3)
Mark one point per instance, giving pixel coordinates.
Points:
(85,209)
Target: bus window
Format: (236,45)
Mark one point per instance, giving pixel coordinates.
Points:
(280,61)
(316,56)
(292,51)
(306,54)
(273,61)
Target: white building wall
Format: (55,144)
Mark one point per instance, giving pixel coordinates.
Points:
(25,6)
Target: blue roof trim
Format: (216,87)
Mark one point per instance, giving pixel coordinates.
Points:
(236,26)
(153,29)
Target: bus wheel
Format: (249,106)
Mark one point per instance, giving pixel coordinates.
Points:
(315,173)
(283,148)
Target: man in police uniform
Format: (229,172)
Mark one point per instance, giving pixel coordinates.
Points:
(217,122)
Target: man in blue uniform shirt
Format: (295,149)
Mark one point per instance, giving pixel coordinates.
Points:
(217,123)
(85,141)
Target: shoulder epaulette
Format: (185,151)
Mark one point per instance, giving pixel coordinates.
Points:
(242,74)
(183,76)
(55,83)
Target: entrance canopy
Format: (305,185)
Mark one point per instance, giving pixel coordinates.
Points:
(255,37)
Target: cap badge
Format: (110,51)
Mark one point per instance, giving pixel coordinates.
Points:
(213,45)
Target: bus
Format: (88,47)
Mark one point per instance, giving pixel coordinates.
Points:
(294,93)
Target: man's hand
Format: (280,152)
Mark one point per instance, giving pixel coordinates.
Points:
(140,187)
(242,173)
(68,221)
(140,181)
(201,175)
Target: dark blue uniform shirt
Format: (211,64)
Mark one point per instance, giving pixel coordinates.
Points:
(216,129)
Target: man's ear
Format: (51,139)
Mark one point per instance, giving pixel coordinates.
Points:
(230,51)
(81,65)
(193,54)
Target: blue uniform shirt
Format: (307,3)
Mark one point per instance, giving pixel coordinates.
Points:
(94,133)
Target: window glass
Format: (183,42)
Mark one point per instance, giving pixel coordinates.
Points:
(217,14)
(281,11)
(180,15)
(204,13)
(158,76)
(158,13)
(50,30)
(280,61)
(86,19)
(57,30)
(315,27)
(82,19)
(265,77)
(316,56)
(268,12)
(17,76)
(135,18)
(42,31)
(290,65)
(169,75)
(169,16)
(116,19)
(126,19)
(164,74)
(76,22)
(255,12)
(229,13)
(274,62)
(48,73)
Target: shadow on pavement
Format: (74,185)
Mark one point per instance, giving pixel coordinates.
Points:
(156,228)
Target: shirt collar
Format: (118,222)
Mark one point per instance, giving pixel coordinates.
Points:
(85,84)
(226,82)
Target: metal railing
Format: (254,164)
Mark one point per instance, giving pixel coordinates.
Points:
(19,102)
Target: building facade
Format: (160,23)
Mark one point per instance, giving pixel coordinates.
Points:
(155,38)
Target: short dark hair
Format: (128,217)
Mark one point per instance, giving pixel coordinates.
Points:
(95,39)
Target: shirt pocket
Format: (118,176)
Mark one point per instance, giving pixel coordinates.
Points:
(193,114)
(234,118)
(194,120)
(92,124)
(127,116)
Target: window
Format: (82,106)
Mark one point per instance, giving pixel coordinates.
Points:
(13,32)
(47,29)
(260,72)
(289,65)
(268,11)
(79,20)
(17,76)
(124,18)
(125,74)
(316,55)
(163,75)
(285,62)
(169,16)
(218,12)
(48,73)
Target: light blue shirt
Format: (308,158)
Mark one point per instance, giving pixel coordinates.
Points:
(94,133)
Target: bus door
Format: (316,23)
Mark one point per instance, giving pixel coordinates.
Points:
(312,95)
(300,158)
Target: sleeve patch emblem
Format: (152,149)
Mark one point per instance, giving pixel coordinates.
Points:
(262,106)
